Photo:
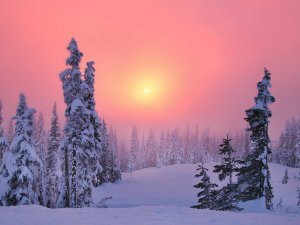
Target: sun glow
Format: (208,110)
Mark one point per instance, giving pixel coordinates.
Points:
(146,90)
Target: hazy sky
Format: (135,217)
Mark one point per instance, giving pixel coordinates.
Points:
(159,63)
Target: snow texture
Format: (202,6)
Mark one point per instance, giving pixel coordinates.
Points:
(162,197)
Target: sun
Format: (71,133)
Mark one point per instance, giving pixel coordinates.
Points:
(146,90)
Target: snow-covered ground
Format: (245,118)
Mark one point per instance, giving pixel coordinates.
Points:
(162,197)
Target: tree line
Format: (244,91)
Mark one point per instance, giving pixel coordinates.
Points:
(58,169)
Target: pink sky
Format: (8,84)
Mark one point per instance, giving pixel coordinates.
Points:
(205,56)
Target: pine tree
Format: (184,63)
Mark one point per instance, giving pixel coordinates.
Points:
(151,150)
(161,151)
(247,143)
(122,152)
(21,166)
(3,142)
(133,151)
(187,146)
(10,131)
(229,166)
(113,173)
(195,155)
(205,141)
(142,154)
(254,176)
(102,174)
(207,194)
(95,121)
(286,152)
(39,139)
(227,195)
(286,177)
(176,156)
(79,148)
(53,170)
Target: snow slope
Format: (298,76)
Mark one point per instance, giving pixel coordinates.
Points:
(162,197)
(173,185)
(142,215)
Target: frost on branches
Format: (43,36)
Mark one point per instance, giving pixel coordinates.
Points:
(53,170)
(254,176)
(81,144)
(133,151)
(39,140)
(21,166)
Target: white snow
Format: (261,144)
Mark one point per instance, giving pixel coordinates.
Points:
(163,197)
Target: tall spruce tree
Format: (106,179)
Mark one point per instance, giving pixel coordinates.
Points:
(79,139)
(176,156)
(207,195)
(254,175)
(102,174)
(195,155)
(39,139)
(21,166)
(142,160)
(95,121)
(123,155)
(113,172)
(161,150)
(53,170)
(151,150)
(133,151)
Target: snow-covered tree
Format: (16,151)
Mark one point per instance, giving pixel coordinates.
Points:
(176,153)
(123,157)
(142,154)
(3,141)
(187,144)
(161,151)
(95,121)
(286,151)
(151,150)
(39,139)
(228,167)
(101,174)
(10,131)
(133,151)
(195,155)
(247,145)
(254,176)
(285,178)
(207,193)
(227,195)
(81,155)
(39,136)
(53,170)
(21,166)
(206,143)
(112,169)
